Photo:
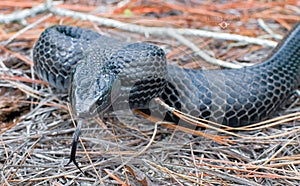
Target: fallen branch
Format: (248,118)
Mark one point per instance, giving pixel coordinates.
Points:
(202,54)
(21,15)
(176,33)
(48,6)
(159,30)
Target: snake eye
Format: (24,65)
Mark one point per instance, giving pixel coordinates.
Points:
(103,83)
(103,91)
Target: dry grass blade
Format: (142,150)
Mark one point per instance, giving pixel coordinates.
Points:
(198,122)
(216,138)
(115,178)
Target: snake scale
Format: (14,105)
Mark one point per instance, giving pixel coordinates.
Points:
(103,74)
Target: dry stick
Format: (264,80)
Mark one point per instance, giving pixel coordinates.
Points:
(160,30)
(26,89)
(171,125)
(267,29)
(187,117)
(274,165)
(23,30)
(173,32)
(272,123)
(17,55)
(199,122)
(21,15)
(173,110)
(191,119)
(264,123)
(202,54)
(256,126)
(115,178)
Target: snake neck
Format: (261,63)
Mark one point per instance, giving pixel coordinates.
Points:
(238,97)
(286,53)
(284,61)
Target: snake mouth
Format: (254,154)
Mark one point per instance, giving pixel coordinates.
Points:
(84,111)
(91,107)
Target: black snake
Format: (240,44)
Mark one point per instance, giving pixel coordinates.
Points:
(107,74)
(102,74)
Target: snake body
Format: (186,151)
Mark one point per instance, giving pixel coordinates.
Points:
(103,74)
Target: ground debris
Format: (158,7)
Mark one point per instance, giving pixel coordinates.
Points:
(36,127)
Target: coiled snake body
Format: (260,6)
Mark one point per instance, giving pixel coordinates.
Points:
(107,74)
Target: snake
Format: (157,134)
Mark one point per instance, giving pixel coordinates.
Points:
(103,74)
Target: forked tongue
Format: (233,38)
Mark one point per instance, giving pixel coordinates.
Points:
(74,145)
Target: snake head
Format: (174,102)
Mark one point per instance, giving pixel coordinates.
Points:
(117,76)
(88,96)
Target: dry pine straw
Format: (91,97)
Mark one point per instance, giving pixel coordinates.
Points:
(36,128)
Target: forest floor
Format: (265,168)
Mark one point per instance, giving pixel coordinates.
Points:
(36,127)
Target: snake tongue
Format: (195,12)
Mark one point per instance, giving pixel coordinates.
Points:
(74,146)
